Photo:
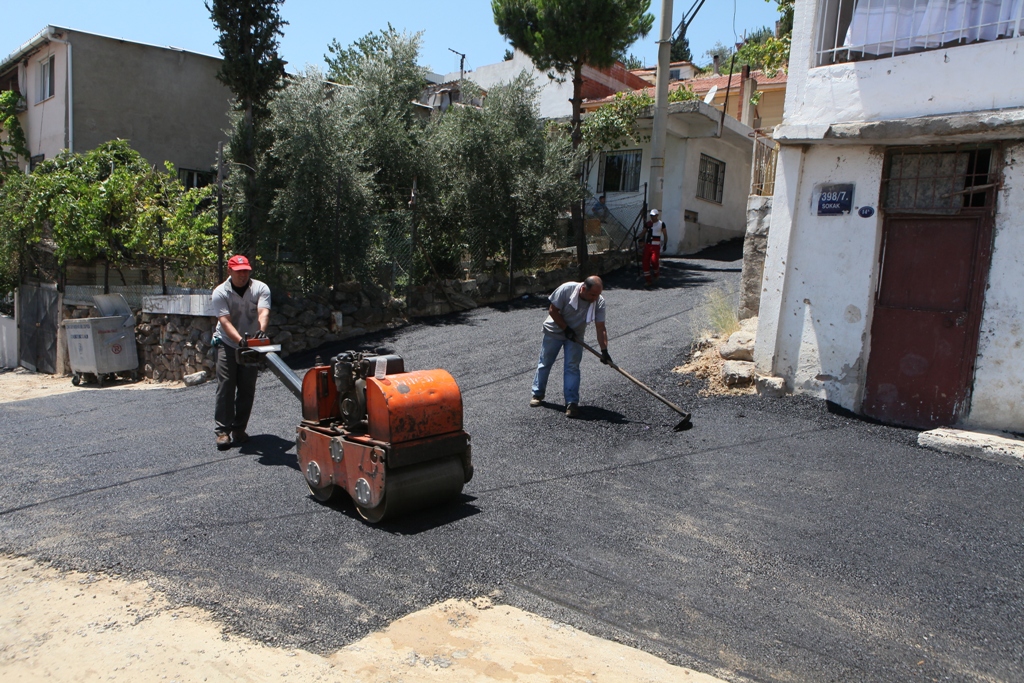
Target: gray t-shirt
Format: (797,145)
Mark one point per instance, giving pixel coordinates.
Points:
(243,310)
(575,315)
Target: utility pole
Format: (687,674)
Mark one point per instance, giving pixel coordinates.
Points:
(661,107)
(462,63)
(220,212)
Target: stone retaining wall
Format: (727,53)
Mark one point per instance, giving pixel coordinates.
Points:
(172,346)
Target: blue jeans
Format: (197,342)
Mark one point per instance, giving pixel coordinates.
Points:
(571,358)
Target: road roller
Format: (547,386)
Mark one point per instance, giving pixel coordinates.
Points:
(391,439)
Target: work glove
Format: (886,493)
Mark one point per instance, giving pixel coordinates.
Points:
(605,358)
(570,334)
(261,335)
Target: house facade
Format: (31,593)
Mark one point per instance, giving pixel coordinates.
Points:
(706,175)
(893,271)
(82,89)
(555,93)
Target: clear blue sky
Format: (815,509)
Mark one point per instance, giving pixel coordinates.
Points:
(463,25)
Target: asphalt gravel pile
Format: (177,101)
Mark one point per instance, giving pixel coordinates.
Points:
(775,540)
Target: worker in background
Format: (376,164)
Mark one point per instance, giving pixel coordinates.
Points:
(573,305)
(242,307)
(655,240)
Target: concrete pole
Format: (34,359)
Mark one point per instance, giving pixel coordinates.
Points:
(661,108)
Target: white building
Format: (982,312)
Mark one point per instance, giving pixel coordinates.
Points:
(555,93)
(706,176)
(893,275)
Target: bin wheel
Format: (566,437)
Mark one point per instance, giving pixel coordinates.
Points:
(135,375)
(76,379)
(99,379)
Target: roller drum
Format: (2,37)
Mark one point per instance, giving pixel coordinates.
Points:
(417,487)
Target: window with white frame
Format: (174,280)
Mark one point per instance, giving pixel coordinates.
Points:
(853,30)
(711,179)
(46,86)
(619,171)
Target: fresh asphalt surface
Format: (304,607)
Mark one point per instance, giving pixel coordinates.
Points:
(775,540)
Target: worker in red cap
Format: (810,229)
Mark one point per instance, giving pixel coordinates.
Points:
(242,306)
(655,240)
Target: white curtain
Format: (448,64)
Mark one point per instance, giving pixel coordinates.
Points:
(882,27)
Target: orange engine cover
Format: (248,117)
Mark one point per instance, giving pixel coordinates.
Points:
(413,405)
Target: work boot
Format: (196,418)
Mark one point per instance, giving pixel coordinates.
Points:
(223,441)
(572,410)
(239,436)
(536,401)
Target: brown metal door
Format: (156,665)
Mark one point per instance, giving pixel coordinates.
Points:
(924,334)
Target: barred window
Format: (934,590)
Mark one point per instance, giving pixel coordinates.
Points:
(619,172)
(852,30)
(711,179)
(938,181)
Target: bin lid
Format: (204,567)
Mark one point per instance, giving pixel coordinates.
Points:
(112,304)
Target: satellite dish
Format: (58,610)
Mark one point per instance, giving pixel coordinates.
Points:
(711,94)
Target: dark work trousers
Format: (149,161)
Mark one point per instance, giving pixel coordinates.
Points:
(236,388)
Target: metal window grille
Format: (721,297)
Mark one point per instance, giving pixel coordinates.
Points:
(620,171)
(853,30)
(711,179)
(762,175)
(944,181)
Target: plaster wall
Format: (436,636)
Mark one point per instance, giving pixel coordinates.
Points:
(820,275)
(935,82)
(997,401)
(554,96)
(45,122)
(167,103)
(717,222)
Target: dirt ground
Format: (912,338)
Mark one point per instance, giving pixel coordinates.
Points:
(58,626)
(20,384)
(75,627)
(706,365)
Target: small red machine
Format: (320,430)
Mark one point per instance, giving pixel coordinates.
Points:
(391,439)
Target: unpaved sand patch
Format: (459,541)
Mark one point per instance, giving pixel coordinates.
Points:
(70,626)
(20,384)
(706,364)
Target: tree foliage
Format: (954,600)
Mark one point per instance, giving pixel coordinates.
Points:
(12,137)
(762,48)
(253,70)
(386,82)
(680,51)
(498,179)
(105,204)
(563,35)
(323,200)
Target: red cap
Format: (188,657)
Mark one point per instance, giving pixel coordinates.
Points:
(238,263)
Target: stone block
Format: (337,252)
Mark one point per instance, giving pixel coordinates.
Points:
(740,347)
(737,373)
(772,387)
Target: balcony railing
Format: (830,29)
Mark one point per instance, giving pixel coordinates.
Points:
(762,173)
(853,30)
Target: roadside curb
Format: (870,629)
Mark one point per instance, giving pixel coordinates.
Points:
(994,446)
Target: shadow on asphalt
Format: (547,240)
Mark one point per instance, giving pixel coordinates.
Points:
(272,450)
(590,413)
(676,273)
(415,522)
